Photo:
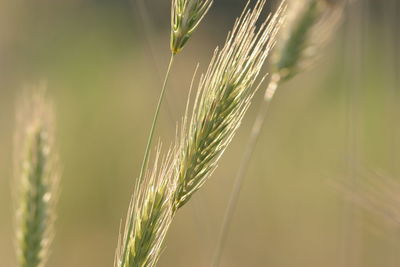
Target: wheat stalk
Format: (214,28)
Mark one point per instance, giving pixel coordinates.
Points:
(223,96)
(37,179)
(310,24)
(185,17)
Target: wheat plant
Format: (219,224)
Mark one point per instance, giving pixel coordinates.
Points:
(309,25)
(186,15)
(223,96)
(36,178)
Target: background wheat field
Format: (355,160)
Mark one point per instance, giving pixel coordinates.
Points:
(103,63)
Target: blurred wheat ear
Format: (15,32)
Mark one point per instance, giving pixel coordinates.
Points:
(310,24)
(36,177)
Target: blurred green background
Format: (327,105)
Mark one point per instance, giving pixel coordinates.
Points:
(103,60)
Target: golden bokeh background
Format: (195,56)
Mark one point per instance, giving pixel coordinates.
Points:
(103,61)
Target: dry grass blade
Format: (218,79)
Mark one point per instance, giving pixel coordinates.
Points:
(37,179)
(377,194)
(149,216)
(224,94)
(186,15)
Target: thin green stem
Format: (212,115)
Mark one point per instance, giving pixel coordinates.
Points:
(148,31)
(244,165)
(147,153)
(155,119)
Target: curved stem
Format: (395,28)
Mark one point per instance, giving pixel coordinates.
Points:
(244,165)
(146,156)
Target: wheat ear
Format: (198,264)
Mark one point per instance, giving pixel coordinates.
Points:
(36,178)
(297,45)
(223,96)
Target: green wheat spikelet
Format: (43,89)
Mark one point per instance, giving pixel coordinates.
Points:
(186,15)
(149,216)
(224,95)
